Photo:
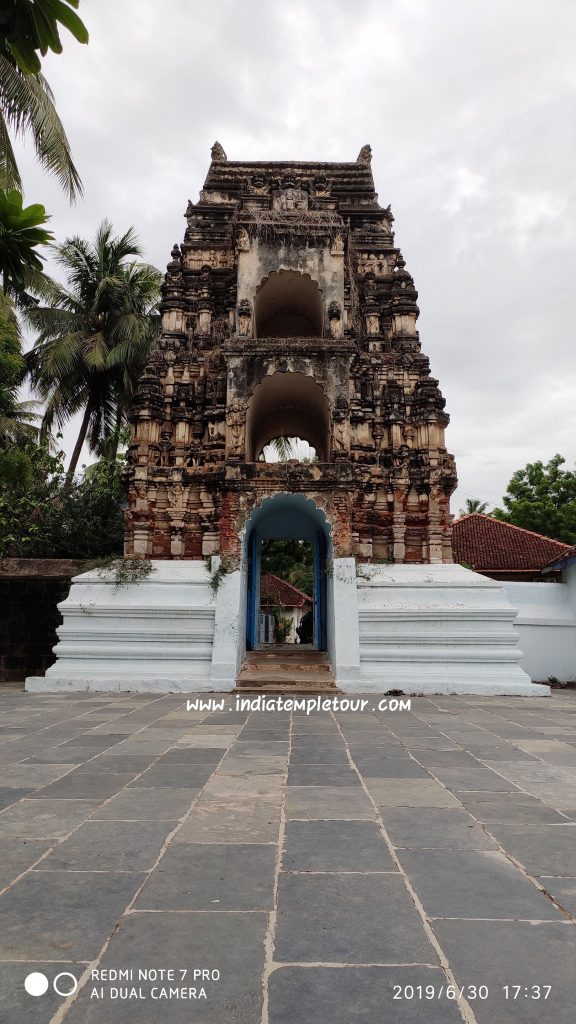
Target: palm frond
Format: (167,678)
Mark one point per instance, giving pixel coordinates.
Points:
(28,105)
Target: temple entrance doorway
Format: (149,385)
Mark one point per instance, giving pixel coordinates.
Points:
(288,582)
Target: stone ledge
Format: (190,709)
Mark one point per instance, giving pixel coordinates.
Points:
(41,568)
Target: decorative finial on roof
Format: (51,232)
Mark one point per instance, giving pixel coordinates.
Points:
(365,155)
(217,153)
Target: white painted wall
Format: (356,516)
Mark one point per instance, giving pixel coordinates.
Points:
(546,625)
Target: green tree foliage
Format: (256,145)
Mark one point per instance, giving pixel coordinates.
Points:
(542,497)
(291,560)
(21,231)
(17,419)
(474,505)
(27,26)
(42,517)
(95,336)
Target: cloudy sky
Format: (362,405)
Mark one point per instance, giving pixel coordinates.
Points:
(469,108)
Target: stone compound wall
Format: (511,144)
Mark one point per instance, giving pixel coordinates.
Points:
(30,590)
(546,625)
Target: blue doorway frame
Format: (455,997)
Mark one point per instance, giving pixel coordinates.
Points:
(294,517)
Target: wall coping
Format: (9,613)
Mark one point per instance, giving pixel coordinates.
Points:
(41,568)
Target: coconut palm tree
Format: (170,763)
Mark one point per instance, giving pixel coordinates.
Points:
(95,336)
(19,421)
(474,505)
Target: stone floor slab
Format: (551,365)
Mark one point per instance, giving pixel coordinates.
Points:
(510,808)
(77,786)
(367,995)
(231,943)
(439,828)
(147,805)
(110,846)
(38,819)
(327,802)
(222,820)
(410,793)
(500,953)
(563,890)
(322,775)
(542,849)
(335,846)
(55,915)
(473,884)
(211,877)
(174,776)
(341,918)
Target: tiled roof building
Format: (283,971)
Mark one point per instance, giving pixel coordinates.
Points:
(503,551)
(273,590)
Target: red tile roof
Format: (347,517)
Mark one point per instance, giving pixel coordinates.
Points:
(488,544)
(571,553)
(278,591)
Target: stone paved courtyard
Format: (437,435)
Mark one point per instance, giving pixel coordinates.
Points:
(324,864)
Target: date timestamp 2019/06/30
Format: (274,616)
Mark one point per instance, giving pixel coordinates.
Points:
(469,992)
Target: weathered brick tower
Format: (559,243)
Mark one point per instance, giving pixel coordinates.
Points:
(287,310)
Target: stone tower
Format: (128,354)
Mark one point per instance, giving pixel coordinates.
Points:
(287,310)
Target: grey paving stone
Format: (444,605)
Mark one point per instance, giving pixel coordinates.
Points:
(312,754)
(10,795)
(232,943)
(16,856)
(322,775)
(211,877)
(148,805)
(110,846)
(57,755)
(473,884)
(449,828)
(221,820)
(263,765)
(132,764)
(445,759)
(462,780)
(410,793)
(562,889)
(56,915)
(36,819)
(326,995)
(399,768)
(327,802)
(335,846)
(249,748)
(177,776)
(81,786)
(499,953)
(191,755)
(17,1007)
(522,772)
(510,808)
(542,849)
(340,918)
(32,776)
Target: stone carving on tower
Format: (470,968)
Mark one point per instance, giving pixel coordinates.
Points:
(287,310)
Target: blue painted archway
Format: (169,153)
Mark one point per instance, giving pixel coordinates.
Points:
(288,517)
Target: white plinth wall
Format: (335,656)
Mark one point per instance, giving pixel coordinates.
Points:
(420,629)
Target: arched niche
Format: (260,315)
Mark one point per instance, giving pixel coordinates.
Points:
(289,305)
(288,405)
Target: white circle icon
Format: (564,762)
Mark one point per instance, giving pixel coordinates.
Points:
(65,974)
(36,984)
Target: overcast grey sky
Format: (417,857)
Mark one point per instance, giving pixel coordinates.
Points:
(469,108)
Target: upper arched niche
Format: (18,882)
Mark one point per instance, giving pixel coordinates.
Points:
(288,405)
(289,305)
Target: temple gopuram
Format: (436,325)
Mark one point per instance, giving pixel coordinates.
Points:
(288,310)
